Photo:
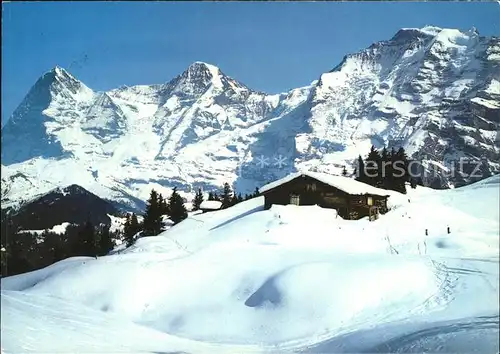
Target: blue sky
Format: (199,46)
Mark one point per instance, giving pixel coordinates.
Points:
(269,46)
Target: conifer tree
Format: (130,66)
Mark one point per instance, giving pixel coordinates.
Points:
(234,199)
(87,236)
(162,210)
(401,174)
(361,171)
(344,172)
(227,196)
(372,166)
(211,196)
(152,218)
(177,210)
(126,230)
(256,193)
(131,229)
(387,170)
(240,198)
(198,199)
(105,242)
(135,227)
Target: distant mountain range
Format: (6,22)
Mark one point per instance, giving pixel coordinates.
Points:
(203,128)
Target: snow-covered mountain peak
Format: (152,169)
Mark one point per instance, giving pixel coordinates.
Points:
(61,72)
(202,66)
(60,81)
(197,78)
(201,77)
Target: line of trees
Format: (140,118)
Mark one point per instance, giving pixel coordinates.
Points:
(26,251)
(228,197)
(156,207)
(385,169)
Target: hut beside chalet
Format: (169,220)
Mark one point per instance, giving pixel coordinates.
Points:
(210,205)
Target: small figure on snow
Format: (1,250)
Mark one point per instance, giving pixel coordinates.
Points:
(448,229)
(426,232)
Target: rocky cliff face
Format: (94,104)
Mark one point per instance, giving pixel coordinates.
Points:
(204,128)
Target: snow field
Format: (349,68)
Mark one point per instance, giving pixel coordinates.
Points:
(285,279)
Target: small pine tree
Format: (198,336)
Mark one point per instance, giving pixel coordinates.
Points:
(240,198)
(126,231)
(211,196)
(227,196)
(161,204)
(152,218)
(361,176)
(87,236)
(135,227)
(372,166)
(344,172)
(178,211)
(234,200)
(256,193)
(105,242)
(198,199)
(131,229)
(402,175)
(386,170)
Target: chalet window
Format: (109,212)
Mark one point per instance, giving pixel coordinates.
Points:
(369,200)
(294,199)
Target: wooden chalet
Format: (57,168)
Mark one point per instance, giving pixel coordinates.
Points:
(352,199)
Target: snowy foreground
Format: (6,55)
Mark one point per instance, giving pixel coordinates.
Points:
(289,279)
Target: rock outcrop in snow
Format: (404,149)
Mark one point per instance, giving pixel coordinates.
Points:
(204,128)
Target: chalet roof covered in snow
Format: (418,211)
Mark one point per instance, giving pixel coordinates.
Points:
(346,184)
(210,205)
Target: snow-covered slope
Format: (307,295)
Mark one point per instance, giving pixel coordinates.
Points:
(288,279)
(203,128)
